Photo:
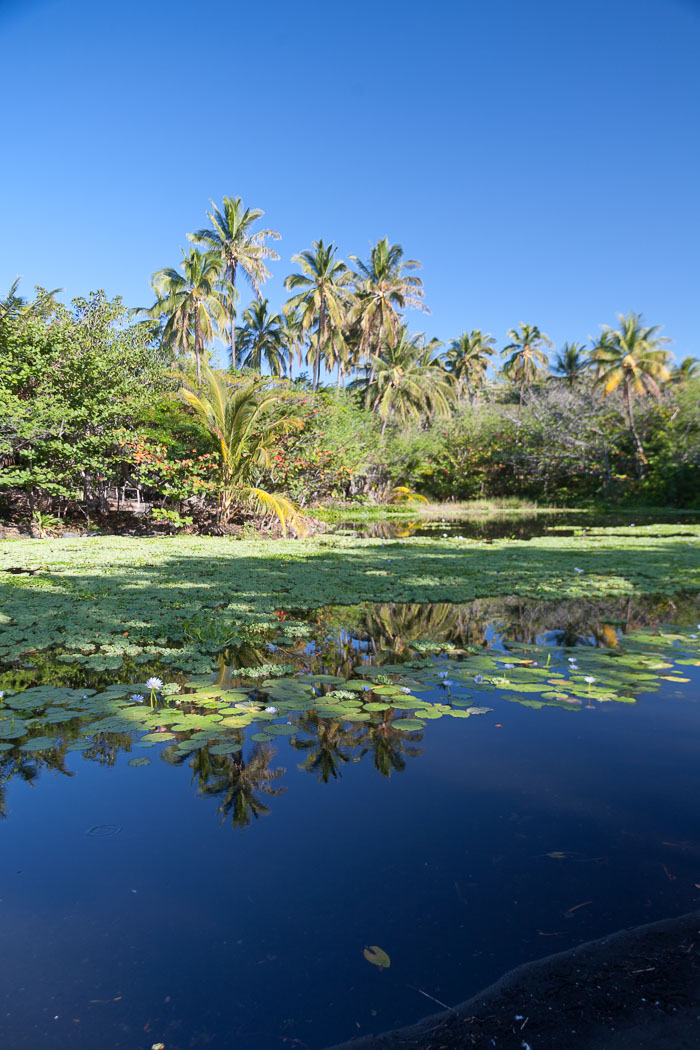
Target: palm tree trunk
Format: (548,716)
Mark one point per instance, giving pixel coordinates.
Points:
(321,332)
(197,344)
(233,317)
(639,457)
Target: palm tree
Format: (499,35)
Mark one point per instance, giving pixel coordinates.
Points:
(188,302)
(689,368)
(383,287)
(262,336)
(323,298)
(407,381)
(238,418)
(468,358)
(632,357)
(526,355)
(232,239)
(292,337)
(571,363)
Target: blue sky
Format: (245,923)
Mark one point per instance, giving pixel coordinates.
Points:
(540,158)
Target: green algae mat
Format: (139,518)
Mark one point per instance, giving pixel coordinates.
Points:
(102,601)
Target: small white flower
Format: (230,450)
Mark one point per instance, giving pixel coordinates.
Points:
(509,667)
(271,710)
(136,698)
(478,679)
(578,570)
(443,674)
(572,659)
(447,683)
(154,683)
(405,689)
(589,679)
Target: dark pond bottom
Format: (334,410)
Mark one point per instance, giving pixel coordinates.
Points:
(150,905)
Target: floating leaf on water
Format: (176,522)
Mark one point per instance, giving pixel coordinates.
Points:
(281,730)
(230,748)
(377,956)
(157,738)
(6,747)
(376,706)
(39,743)
(260,738)
(408,725)
(143,761)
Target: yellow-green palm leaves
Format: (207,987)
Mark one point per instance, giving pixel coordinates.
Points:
(241,420)
(527,357)
(232,239)
(632,357)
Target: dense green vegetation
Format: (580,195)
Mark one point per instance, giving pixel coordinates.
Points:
(97,401)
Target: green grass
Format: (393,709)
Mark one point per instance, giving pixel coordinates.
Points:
(110,598)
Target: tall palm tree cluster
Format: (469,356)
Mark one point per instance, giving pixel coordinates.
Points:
(348,319)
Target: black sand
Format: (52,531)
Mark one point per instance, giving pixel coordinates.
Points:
(635,990)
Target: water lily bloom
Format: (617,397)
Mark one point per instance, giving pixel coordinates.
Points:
(447,683)
(154,683)
(136,698)
(509,667)
(405,689)
(443,674)
(478,679)
(366,688)
(578,570)
(271,710)
(572,659)
(590,679)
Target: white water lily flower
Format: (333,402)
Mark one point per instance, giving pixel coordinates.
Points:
(590,679)
(572,659)
(405,689)
(443,674)
(478,679)
(447,683)
(154,683)
(509,667)
(271,710)
(136,698)
(578,570)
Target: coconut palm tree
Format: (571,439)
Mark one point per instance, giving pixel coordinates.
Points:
(407,382)
(239,419)
(323,298)
(632,357)
(689,368)
(571,363)
(384,286)
(262,337)
(468,358)
(231,237)
(527,357)
(293,337)
(188,302)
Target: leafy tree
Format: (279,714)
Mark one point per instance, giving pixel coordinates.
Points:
(231,237)
(527,357)
(262,337)
(323,298)
(468,358)
(571,363)
(70,379)
(189,302)
(239,419)
(632,357)
(384,286)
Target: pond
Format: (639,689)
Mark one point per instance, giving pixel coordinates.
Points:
(232,859)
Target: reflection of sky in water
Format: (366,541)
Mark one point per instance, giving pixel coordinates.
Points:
(183,930)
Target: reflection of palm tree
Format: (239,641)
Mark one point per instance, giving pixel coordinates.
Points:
(331,745)
(240,783)
(389,747)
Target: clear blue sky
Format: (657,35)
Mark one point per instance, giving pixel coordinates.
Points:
(541,158)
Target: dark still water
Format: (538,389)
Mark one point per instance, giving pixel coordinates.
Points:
(224,899)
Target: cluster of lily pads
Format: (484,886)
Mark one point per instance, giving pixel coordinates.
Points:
(115,604)
(201,712)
